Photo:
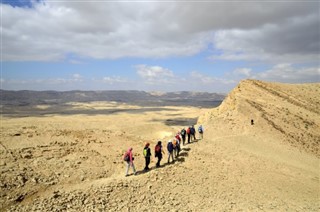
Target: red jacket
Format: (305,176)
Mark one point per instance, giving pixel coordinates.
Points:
(129,152)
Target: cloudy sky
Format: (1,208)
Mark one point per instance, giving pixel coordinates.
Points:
(157,45)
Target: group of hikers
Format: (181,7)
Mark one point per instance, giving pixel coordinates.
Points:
(173,148)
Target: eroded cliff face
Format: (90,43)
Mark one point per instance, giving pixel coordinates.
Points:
(289,112)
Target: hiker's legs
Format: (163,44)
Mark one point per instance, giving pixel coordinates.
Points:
(188,138)
(159,159)
(134,169)
(146,159)
(170,154)
(128,166)
(147,162)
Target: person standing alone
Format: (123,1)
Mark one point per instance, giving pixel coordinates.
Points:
(200,130)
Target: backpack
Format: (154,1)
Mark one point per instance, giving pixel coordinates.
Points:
(178,137)
(188,131)
(146,153)
(183,132)
(126,157)
(157,149)
(174,143)
(170,146)
(200,129)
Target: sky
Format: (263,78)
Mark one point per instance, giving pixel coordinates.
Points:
(157,45)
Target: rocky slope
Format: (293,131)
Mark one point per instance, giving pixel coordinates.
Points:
(73,162)
(290,111)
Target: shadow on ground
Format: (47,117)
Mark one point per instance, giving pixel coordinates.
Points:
(178,121)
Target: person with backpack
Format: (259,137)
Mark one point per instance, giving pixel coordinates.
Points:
(193,133)
(128,158)
(200,130)
(183,135)
(177,147)
(170,148)
(188,134)
(147,155)
(158,153)
(175,150)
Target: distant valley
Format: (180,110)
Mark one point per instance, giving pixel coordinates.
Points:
(25,103)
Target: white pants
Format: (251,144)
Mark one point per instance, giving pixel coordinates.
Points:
(128,166)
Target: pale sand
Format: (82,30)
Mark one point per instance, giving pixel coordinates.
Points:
(74,162)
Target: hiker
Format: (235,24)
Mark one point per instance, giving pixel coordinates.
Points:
(188,134)
(170,150)
(193,133)
(183,135)
(175,147)
(178,142)
(158,153)
(129,160)
(147,155)
(178,148)
(200,130)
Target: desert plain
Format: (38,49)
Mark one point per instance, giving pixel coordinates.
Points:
(73,161)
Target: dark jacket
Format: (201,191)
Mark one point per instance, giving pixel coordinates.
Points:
(192,131)
(170,147)
(159,153)
(147,149)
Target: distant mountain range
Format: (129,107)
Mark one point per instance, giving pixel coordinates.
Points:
(29,98)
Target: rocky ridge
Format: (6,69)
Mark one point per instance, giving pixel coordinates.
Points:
(292,110)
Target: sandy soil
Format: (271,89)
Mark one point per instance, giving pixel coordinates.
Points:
(74,162)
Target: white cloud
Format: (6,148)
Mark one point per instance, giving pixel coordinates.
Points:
(201,79)
(290,74)
(114,80)
(52,29)
(155,74)
(76,78)
(284,72)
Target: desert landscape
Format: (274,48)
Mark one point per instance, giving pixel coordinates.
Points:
(71,160)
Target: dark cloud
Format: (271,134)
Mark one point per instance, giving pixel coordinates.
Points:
(50,30)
